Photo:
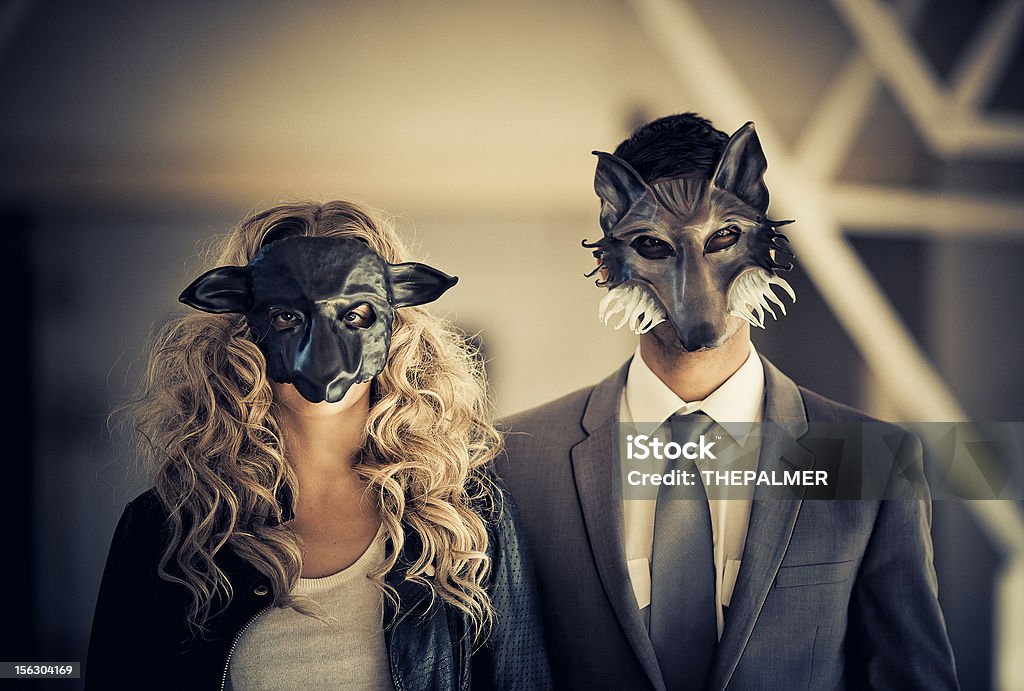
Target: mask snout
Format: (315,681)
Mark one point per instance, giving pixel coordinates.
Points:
(310,390)
(699,336)
(326,363)
(693,293)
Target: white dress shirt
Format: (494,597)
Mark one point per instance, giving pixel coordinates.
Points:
(646,399)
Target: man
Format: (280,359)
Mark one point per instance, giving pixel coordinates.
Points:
(690,588)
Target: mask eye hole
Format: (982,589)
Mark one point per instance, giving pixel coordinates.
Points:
(359,317)
(650,247)
(722,239)
(282,320)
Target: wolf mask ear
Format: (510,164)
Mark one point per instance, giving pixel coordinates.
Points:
(417,284)
(224,289)
(741,168)
(618,186)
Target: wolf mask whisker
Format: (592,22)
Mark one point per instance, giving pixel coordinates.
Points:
(639,309)
(750,293)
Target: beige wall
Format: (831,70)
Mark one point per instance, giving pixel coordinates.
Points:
(522,288)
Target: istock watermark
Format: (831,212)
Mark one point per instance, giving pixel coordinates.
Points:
(864,460)
(640,447)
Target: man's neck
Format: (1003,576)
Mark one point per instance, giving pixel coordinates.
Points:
(694,376)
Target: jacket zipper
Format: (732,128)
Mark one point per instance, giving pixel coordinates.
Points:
(234,643)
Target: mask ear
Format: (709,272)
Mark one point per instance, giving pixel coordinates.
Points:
(741,168)
(618,186)
(224,289)
(416,284)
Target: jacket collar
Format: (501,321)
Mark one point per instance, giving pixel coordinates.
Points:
(596,478)
(772,519)
(603,404)
(410,594)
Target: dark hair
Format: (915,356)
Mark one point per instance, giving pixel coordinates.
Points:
(674,146)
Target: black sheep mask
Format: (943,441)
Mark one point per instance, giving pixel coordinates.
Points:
(696,251)
(320,308)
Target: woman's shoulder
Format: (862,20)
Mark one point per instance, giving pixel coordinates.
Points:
(147,507)
(148,502)
(488,496)
(495,505)
(143,521)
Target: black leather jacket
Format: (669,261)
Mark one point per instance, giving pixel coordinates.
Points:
(140,638)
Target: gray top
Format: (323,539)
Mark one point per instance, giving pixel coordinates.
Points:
(284,649)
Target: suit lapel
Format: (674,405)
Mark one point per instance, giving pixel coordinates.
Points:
(593,463)
(771,519)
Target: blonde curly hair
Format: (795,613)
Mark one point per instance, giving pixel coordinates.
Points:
(206,418)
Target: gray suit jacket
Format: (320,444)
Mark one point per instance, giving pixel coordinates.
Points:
(830,594)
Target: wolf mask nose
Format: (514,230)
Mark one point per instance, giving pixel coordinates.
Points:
(321,309)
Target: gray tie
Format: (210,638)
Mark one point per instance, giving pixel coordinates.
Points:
(684,626)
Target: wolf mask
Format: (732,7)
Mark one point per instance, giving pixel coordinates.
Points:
(320,308)
(696,251)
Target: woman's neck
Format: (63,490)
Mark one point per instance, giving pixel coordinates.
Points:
(334,518)
(323,440)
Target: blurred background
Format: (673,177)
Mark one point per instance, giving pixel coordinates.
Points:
(134,132)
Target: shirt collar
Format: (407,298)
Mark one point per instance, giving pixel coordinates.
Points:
(740,398)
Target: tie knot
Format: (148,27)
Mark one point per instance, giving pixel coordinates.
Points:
(690,426)
(694,417)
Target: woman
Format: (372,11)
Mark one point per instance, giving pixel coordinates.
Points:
(322,515)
